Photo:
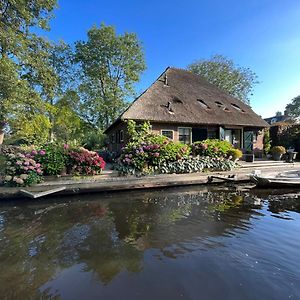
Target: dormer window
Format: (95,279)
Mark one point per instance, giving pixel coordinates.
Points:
(203,104)
(237,107)
(219,104)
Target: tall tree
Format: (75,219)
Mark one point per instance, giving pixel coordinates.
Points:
(111,65)
(225,74)
(62,60)
(293,109)
(25,75)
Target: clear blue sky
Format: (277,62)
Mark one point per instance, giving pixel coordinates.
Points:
(261,34)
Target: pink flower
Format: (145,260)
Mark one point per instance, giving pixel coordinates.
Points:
(34,152)
(19,163)
(66,146)
(39,171)
(42,152)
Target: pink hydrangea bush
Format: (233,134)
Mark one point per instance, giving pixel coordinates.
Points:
(22,170)
(148,155)
(85,162)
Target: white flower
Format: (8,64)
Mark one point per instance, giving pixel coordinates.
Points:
(19,181)
(24,176)
(8,178)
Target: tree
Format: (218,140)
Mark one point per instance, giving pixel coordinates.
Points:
(278,114)
(293,109)
(61,106)
(25,75)
(223,73)
(111,64)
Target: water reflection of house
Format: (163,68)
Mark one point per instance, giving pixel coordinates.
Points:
(186,108)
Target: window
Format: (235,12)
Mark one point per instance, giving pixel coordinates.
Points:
(168,133)
(185,135)
(113,138)
(203,104)
(237,107)
(219,104)
(211,133)
(121,136)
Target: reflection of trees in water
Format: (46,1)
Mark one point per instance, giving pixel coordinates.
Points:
(278,204)
(179,218)
(35,248)
(109,236)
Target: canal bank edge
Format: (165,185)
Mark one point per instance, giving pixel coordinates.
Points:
(116,183)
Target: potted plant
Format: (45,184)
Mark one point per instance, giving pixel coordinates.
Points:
(277,152)
(249,156)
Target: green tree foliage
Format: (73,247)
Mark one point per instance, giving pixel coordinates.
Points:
(25,74)
(225,74)
(111,65)
(293,109)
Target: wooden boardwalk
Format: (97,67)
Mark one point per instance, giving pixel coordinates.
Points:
(109,182)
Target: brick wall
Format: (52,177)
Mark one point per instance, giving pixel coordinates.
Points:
(116,146)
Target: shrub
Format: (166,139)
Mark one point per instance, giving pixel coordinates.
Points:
(278,150)
(85,162)
(22,170)
(234,154)
(211,147)
(186,165)
(94,140)
(146,155)
(53,157)
(267,141)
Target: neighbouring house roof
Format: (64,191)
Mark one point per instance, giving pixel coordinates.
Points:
(179,96)
(276,119)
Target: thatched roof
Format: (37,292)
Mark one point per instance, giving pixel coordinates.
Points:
(179,96)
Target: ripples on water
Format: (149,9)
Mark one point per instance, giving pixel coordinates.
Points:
(169,244)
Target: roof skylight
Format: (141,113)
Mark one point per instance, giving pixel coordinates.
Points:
(235,106)
(219,104)
(203,104)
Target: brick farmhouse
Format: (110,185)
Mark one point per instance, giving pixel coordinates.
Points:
(186,108)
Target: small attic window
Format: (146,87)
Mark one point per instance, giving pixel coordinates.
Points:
(226,109)
(203,104)
(219,104)
(177,100)
(237,107)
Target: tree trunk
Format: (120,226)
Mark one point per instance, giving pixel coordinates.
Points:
(1,136)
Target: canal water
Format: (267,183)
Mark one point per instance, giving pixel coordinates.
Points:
(179,243)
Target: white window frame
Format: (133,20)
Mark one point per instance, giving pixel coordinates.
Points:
(191,133)
(121,134)
(167,130)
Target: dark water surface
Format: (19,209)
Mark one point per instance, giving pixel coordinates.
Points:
(181,243)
